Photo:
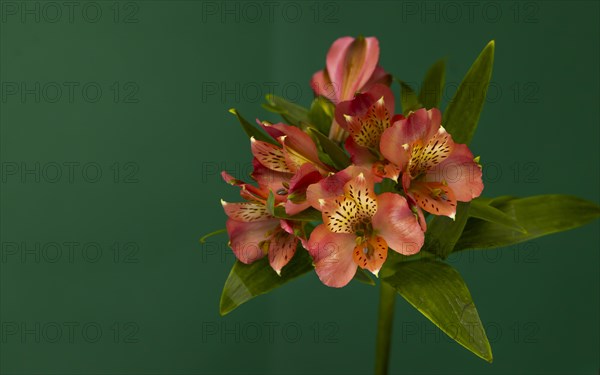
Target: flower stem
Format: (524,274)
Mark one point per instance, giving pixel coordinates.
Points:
(203,239)
(387,297)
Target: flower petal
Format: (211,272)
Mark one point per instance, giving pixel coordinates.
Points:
(421,124)
(332,186)
(247,240)
(361,190)
(245,211)
(298,145)
(340,214)
(332,256)
(336,57)
(426,156)
(371,254)
(247,191)
(366,130)
(269,155)
(379,76)
(282,247)
(270,180)
(359,64)
(434,197)
(322,86)
(304,177)
(362,103)
(396,223)
(359,155)
(460,172)
(393,145)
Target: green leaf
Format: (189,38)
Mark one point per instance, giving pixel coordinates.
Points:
(252,130)
(338,156)
(247,281)
(310,214)
(539,216)
(363,276)
(430,95)
(443,232)
(271,203)
(321,114)
(438,291)
(462,114)
(481,209)
(408,98)
(292,114)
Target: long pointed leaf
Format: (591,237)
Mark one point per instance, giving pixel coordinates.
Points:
(481,209)
(292,113)
(539,216)
(438,291)
(252,130)
(338,157)
(430,95)
(462,114)
(408,98)
(321,114)
(247,281)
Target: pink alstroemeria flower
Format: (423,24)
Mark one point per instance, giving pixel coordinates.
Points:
(358,226)
(436,172)
(351,67)
(289,189)
(296,157)
(252,231)
(366,117)
(294,150)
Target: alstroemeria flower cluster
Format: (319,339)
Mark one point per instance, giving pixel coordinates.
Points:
(360,221)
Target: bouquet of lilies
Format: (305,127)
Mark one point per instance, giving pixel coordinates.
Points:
(352,187)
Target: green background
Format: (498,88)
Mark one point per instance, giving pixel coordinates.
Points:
(147,301)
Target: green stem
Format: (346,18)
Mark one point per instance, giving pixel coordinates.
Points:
(203,239)
(387,297)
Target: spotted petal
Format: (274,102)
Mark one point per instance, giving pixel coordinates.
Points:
(426,156)
(246,211)
(371,254)
(434,197)
(270,156)
(366,130)
(361,190)
(298,147)
(340,214)
(282,247)
(363,103)
(332,186)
